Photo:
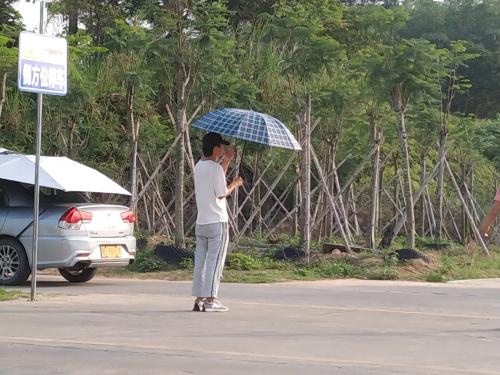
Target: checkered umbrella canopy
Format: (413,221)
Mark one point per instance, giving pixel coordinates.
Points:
(249,126)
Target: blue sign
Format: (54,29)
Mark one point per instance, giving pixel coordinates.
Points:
(43,77)
(43,64)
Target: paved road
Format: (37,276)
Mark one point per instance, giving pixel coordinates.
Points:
(345,327)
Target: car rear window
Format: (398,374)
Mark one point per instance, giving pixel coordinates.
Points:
(58,196)
(48,195)
(3,199)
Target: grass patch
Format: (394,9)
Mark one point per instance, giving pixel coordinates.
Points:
(383,273)
(243,262)
(460,264)
(7,295)
(256,276)
(435,277)
(146,262)
(254,264)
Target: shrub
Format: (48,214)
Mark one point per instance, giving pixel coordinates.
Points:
(306,273)
(384,273)
(243,262)
(337,270)
(146,261)
(148,265)
(187,263)
(435,277)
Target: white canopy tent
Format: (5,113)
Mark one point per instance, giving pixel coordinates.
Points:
(57,173)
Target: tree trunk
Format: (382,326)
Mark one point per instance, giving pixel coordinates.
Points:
(180,162)
(73,17)
(305,230)
(395,184)
(379,201)
(354,211)
(439,188)
(465,223)
(296,200)
(3,92)
(375,183)
(422,203)
(443,135)
(134,131)
(399,107)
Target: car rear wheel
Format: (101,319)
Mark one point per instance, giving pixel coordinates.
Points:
(14,265)
(78,275)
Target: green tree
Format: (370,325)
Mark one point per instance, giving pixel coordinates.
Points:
(452,83)
(192,39)
(302,32)
(406,69)
(10,26)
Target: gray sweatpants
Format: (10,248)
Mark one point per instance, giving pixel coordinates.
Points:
(209,258)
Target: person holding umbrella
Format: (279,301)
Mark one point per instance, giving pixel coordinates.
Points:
(211,190)
(212,234)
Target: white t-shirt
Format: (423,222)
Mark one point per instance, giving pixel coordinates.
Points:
(209,184)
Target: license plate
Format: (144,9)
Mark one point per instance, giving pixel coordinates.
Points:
(111,251)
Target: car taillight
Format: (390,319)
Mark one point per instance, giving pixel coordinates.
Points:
(128,216)
(73,218)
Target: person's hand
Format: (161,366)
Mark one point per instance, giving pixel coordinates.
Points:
(238,182)
(229,153)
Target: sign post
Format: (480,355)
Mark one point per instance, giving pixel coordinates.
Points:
(43,69)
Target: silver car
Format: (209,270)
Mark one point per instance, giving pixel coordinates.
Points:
(75,235)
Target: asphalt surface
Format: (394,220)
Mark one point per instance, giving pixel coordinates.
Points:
(126,326)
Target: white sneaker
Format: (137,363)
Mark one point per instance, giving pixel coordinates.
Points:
(216,306)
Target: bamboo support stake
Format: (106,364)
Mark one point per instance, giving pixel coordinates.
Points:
(357,171)
(281,198)
(331,200)
(400,223)
(453,221)
(280,203)
(145,203)
(340,199)
(475,229)
(255,211)
(157,192)
(430,210)
(316,209)
(394,204)
(292,212)
(347,184)
(473,207)
(357,228)
(430,224)
(159,166)
(261,175)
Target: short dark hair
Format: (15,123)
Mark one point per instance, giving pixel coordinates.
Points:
(210,141)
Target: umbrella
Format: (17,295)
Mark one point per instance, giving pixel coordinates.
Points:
(249,126)
(57,173)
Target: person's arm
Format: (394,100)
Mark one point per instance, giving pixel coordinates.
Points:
(221,189)
(236,183)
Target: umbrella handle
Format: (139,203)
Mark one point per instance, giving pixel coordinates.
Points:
(237,171)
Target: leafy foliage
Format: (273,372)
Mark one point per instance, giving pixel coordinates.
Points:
(267,55)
